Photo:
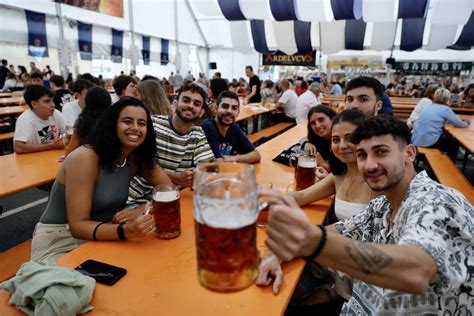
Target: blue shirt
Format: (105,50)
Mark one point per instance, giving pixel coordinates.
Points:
(233,143)
(386,105)
(336,89)
(431,123)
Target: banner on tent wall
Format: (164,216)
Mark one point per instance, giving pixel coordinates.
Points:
(355,63)
(146,50)
(117,46)
(164,51)
(37,42)
(280,58)
(110,7)
(431,68)
(85,40)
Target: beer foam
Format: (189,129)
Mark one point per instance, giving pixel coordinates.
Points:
(307,163)
(228,214)
(165,196)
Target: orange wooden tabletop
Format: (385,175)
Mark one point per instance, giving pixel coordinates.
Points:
(253,110)
(21,172)
(162,274)
(17,109)
(14,100)
(465,136)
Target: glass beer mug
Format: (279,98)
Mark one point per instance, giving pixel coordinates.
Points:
(305,171)
(225,213)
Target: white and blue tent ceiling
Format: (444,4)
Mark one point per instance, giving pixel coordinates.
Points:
(246,26)
(333,25)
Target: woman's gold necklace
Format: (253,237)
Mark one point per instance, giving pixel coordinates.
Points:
(350,185)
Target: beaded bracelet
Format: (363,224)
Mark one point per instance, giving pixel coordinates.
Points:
(95,230)
(320,246)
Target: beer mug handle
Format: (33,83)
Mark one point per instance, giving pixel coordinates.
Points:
(148,208)
(293,160)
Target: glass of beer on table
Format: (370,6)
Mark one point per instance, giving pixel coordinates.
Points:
(263,211)
(166,211)
(305,172)
(225,213)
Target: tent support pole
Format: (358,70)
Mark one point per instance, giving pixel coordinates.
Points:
(59,13)
(206,44)
(133,57)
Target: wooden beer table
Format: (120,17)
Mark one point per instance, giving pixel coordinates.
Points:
(465,136)
(14,100)
(11,110)
(26,171)
(254,110)
(162,274)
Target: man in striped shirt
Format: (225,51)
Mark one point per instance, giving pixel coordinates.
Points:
(179,143)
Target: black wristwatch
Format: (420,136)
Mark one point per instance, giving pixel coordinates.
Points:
(121,232)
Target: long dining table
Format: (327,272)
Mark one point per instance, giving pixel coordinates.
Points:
(162,274)
(14,100)
(464,136)
(26,171)
(13,110)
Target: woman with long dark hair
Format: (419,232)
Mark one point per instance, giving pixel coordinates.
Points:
(92,184)
(352,192)
(97,101)
(318,140)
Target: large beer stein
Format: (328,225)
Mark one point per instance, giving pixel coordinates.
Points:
(225,213)
(305,172)
(166,210)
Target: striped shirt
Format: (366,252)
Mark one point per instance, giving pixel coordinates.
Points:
(174,152)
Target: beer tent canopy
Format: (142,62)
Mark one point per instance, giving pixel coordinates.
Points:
(221,30)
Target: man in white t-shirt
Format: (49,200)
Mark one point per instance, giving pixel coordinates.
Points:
(40,127)
(306,101)
(287,101)
(72,109)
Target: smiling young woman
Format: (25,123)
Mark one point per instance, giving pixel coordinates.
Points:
(92,184)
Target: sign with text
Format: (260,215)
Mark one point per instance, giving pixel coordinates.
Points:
(432,68)
(280,58)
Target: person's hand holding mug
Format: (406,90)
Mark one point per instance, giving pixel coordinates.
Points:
(310,149)
(141,226)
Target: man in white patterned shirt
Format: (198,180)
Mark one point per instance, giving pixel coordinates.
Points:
(180,144)
(410,252)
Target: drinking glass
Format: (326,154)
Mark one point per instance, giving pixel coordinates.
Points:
(225,212)
(166,210)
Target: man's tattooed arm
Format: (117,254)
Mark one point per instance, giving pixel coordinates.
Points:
(368,258)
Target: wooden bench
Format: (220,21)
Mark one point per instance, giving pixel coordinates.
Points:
(13,258)
(426,150)
(7,136)
(269,132)
(448,174)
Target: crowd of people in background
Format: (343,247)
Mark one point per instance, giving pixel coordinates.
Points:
(130,134)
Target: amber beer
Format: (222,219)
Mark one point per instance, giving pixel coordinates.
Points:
(227,258)
(167,213)
(305,173)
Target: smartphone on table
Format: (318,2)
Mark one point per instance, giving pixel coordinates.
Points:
(102,272)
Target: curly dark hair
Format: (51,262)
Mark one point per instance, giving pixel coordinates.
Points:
(193,87)
(97,101)
(383,124)
(355,117)
(35,92)
(368,82)
(105,141)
